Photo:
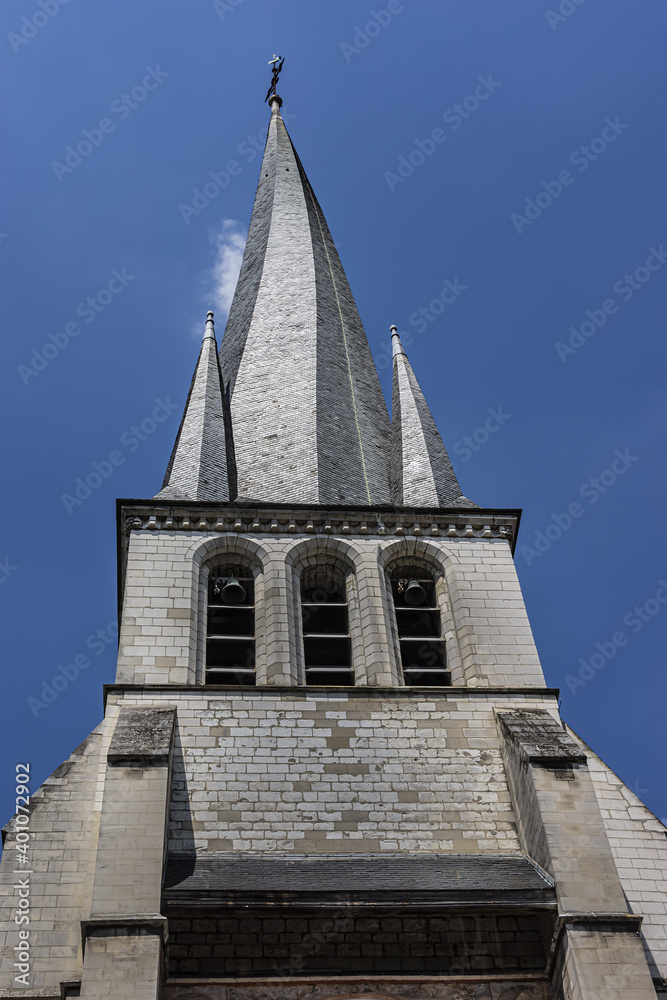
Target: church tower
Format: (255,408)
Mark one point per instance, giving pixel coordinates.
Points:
(329,764)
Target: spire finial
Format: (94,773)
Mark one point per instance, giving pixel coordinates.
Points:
(277,63)
(209,330)
(396,345)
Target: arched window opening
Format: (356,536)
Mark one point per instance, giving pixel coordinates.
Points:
(326,629)
(423,654)
(230,631)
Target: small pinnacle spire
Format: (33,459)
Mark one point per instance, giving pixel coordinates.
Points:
(200,464)
(422,474)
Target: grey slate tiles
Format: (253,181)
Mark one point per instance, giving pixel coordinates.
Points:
(199,467)
(294,412)
(422,474)
(310,422)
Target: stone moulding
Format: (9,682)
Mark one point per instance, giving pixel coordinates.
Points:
(323,692)
(460,987)
(489,525)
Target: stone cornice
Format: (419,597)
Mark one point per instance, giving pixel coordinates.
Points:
(382,522)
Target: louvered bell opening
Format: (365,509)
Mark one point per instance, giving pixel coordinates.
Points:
(326,634)
(230,639)
(423,652)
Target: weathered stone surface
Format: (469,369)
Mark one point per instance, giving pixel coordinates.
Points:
(143,735)
(540,739)
(376,989)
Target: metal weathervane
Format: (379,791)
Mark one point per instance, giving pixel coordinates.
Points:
(277,63)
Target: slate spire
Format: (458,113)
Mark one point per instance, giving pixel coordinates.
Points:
(422,474)
(309,419)
(199,466)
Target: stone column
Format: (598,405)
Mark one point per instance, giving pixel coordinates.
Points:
(124,936)
(595,951)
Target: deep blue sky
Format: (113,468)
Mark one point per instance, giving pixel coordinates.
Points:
(354,114)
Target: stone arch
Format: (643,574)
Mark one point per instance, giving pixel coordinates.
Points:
(340,556)
(443,565)
(237,549)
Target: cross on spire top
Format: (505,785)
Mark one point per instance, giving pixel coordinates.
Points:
(277,63)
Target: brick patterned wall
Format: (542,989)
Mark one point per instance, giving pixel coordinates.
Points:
(258,770)
(274,943)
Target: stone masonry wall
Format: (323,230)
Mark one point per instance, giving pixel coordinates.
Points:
(639,846)
(275,771)
(271,943)
(64,825)
(161,635)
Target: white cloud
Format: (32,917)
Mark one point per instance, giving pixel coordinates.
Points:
(229,244)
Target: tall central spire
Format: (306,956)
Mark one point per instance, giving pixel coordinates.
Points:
(310,422)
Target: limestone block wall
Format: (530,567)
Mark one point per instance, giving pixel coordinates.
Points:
(275,771)
(490,642)
(64,825)
(638,844)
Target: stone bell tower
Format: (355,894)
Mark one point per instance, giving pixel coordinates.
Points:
(329,764)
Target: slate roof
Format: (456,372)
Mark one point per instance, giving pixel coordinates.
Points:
(293,413)
(309,419)
(426,879)
(422,474)
(199,467)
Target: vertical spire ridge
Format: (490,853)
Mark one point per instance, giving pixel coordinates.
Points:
(310,421)
(199,467)
(422,474)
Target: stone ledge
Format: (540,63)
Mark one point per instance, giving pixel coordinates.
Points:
(69,988)
(45,993)
(619,922)
(539,739)
(142,736)
(522,986)
(343,693)
(124,926)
